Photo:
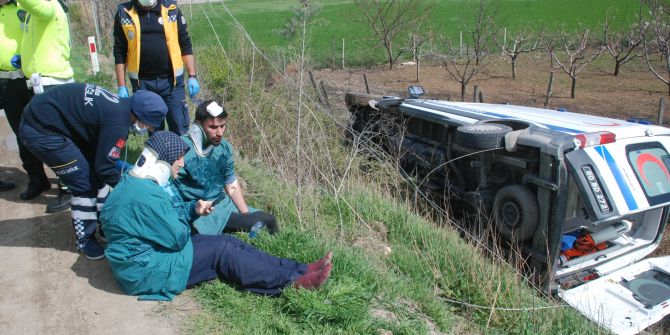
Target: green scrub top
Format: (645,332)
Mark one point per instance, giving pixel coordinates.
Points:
(148,238)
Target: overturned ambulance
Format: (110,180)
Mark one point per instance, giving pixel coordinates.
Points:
(585,198)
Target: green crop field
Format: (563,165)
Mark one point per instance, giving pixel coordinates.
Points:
(339,21)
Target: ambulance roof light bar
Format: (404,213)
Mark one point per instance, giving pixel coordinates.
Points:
(593,139)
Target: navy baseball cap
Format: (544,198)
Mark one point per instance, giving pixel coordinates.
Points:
(149,108)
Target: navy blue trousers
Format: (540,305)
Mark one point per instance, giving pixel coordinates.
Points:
(14,96)
(65,158)
(240,264)
(72,166)
(174,95)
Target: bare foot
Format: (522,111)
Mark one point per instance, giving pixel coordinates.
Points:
(320,264)
(314,280)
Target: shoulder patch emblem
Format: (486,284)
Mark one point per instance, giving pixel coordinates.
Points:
(115,153)
(131,35)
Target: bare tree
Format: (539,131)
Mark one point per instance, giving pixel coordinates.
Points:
(522,41)
(389,19)
(655,36)
(483,29)
(461,66)
(621,44)
(577,54)
(419,46)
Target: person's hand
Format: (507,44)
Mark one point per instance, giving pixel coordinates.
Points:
(204,207)
(193,86)
(123,92)
(16,61)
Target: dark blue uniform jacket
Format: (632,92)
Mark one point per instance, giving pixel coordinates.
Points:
(95,119)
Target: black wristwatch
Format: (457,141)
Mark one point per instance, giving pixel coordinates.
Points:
(193,76)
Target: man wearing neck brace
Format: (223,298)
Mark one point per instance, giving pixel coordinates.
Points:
(209,174)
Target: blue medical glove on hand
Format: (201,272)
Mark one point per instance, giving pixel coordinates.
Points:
(123,92)
(16,61)
(193,86)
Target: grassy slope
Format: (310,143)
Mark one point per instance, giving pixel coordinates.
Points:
(405,291)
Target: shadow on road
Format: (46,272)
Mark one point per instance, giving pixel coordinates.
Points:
(55,232)
(20,179)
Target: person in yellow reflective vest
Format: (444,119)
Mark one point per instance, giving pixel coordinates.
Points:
(14,94)
(152,45)
(44,59)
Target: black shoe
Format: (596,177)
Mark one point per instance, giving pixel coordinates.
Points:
(93,250)
(6,186)
(61,203)
(36,186)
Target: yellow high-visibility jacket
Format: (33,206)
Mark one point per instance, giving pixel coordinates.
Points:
(131,28)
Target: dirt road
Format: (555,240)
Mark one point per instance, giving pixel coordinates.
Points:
(47,286)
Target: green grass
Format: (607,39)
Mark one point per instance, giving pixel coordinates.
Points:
(338,20)
(425,265)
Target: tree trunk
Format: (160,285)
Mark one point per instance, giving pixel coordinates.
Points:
(389,52)
(417,70)
(549,89)
(513,68)
(463,91)
(574,86)
(617,68)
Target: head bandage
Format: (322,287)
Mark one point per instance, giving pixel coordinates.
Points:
(214,109)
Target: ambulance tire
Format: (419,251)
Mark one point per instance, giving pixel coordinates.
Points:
(516,213)
(481,136)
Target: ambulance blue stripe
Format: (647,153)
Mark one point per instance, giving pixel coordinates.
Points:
(552,127)
(625,190)
(564,130)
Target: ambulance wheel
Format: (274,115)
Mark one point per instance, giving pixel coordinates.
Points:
(516,213)
(481,136)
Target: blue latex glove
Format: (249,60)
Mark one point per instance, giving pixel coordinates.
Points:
(193,86)
(123,92)
(16,61)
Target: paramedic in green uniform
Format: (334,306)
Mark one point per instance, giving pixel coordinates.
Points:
(209,174)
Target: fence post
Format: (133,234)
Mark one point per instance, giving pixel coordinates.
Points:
(96,22)
(343,54)
(332,54)
(476,93)
(325,93)
(367,88)
(316,88)
(93,51)
(661,111)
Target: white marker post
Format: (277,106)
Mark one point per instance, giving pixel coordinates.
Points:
(94,54)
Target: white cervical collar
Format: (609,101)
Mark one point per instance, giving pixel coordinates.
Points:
(197,135)
(152,168)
